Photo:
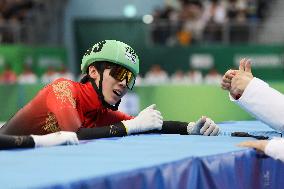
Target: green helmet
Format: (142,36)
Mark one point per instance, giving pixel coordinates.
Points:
(113,51)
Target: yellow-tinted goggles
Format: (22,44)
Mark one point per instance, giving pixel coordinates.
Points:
(120,73)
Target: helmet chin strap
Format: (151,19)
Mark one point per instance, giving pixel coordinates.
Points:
(99,91)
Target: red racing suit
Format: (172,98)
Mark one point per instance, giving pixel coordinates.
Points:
(62,105)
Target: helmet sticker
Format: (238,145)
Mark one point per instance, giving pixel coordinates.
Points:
(96,48)
(130,54)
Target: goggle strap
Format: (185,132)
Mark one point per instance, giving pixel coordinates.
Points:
(107,105)
(101,96)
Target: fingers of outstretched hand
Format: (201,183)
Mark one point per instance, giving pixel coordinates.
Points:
(158,119)
(248,65)
(227,79)
(215,132)
(225,85)
(230,74)
(212,129)
(242,65)
(206,126)
(245,65)
(200,123)
(154,117)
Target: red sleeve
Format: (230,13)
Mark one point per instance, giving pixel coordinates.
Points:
(61,102)
(109,117)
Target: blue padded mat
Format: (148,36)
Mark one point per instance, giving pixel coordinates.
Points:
(140,161)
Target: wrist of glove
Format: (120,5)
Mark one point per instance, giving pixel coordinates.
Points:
(55,139)
(148,119)
(204,126)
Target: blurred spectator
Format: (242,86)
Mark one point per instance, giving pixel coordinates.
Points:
(12,14)
(215,11)
(190,21)
(262,7)
(16,10)
(239,27)
(236,10)
(27,76)
(194,76)
(63,72)
(252,9)
(156,75)
(213,77)
(49,76)
(216,17)
(193,22)
(161,31)
(178,77)
(8,76)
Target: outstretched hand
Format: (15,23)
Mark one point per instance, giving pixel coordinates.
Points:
(241,80)
(148,119)
(204,126)
(227,79)
(257,144)
(55,139)
(245,65)
(236,81)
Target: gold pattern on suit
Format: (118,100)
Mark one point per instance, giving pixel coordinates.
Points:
(63,92)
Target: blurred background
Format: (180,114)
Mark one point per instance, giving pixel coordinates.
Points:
(185,46)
